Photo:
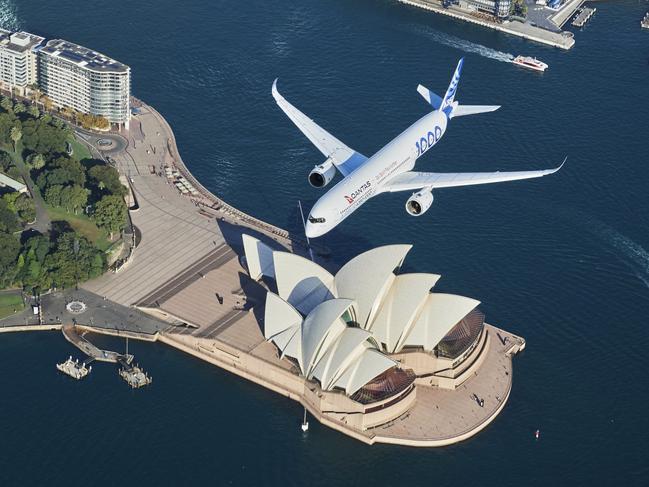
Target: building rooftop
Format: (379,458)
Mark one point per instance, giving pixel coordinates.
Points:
(83,57)
(19,41)
(6,181)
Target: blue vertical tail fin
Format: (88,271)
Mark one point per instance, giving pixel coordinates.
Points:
(449,96)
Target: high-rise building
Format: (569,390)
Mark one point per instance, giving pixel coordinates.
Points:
(85,80)
(18,60)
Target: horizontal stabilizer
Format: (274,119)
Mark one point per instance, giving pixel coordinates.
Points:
(432,98)
(462,110)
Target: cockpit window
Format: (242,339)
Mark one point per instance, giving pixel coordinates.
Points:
(316,220)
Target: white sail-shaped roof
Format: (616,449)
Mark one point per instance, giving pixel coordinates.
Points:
(293,348)
(301,282)
(259,258)
(367,277)
(400,308)
(320,329)
(439,315)
(282,325)
(393,311)
(340,356)
(279,315)
(371,364)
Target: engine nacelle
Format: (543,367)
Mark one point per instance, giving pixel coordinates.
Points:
(322,175)
(419,202)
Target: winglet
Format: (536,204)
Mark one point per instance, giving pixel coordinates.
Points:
(560,165)
(274,89)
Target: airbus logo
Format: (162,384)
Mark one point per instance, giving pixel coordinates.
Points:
(430,140)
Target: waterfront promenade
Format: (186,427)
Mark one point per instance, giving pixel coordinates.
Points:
(178,232)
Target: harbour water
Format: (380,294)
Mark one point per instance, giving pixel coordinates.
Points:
(562,261)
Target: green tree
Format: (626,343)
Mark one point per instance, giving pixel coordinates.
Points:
(25,207)
(43,135)
(8,219)
(8,258)
(10,199)
(32,274)
(62,171)
(15,135)
(33,111)
(110,213)
(107,177)
(6,104)
(7,122)
(53,195)
(74,260)
(19,108)
(5,161)
(73,198)
(35,161)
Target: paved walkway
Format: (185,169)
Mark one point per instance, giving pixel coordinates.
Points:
(43,223)
(174,234)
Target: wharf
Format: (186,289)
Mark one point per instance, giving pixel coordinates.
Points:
(74,369)
(565,12)
(133,375)
(583,16)
(562,40)
(70,333)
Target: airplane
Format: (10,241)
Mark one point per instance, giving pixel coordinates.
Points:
(390,169)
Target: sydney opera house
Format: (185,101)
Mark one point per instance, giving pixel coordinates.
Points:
(382,355)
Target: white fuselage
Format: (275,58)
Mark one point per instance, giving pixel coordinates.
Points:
(370,179)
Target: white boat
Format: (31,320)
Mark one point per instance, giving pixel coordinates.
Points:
(530,63)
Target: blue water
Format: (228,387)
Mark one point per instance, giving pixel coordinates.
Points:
(562,261)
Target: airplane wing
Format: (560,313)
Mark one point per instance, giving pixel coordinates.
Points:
(344,158)
(410,181)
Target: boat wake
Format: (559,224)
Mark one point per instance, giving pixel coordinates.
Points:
(635,256)
(8,17)
(464,45)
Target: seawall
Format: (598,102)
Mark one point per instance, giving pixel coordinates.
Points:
(526,31)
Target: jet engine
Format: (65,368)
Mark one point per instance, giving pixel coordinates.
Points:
(322,175)
(419,202)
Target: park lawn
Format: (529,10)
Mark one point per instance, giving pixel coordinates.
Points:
(82,225)
(10,302)
(80,150)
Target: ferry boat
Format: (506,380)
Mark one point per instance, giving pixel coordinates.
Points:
(530,63)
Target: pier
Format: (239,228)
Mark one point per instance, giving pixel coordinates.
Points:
(74,369)
(71,335)
(133,375)
(583,16)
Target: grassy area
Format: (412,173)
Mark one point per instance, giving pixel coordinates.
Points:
(10,302)
(81,224)
(80,150)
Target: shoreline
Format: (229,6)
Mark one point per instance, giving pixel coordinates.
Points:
(525,31)
(307,398)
